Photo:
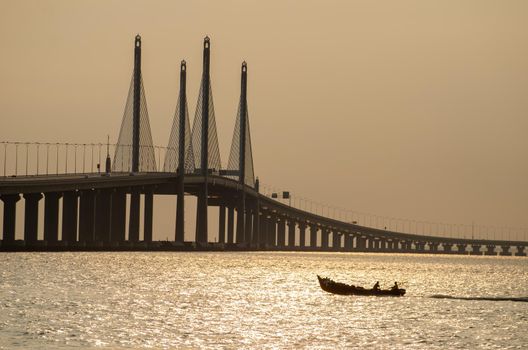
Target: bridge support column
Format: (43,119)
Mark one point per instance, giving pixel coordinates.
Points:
(406,246)
(31,216)
(133,219)
(148,212)
(420,247)
(349,242)
(51,217)
(447,247)
(361,243)
(336,241)
(230,223)
(87,216)
(248,226)
(272,231)
(475,249)
(102,215)
(520,251)
(313,236)
(433,247)
(505,250)
(69,216)
(324,238)
(281,232)
(263,230)
(302,234)
(240,222)
(461,248)
(291,233)
(10,201)
(255,234)
(118,224)
(490,250)
(221,223)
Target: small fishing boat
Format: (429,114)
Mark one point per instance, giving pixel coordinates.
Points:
(344,289)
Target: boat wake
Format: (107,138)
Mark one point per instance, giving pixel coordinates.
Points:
(440,296)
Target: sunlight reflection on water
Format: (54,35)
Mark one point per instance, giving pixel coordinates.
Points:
(257,300)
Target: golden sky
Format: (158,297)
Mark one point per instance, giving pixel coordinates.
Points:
(406,109)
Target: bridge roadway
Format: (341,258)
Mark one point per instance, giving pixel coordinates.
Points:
(265,223)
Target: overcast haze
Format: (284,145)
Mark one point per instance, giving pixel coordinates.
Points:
(406,109)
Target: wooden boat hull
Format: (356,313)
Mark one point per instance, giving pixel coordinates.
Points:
(344,289)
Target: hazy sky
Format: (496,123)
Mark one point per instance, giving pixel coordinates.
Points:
(407,109)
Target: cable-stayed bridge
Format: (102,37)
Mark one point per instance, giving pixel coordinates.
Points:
(91,203)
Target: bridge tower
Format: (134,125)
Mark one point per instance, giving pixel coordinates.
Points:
(205,143)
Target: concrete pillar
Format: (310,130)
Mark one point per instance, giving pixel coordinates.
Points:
(70,206)
(230,223)
(336,240)
(133,219)
(255,232)
(349,242)
(281,232)
(447,247)
(313,236)
(10,201)
(505,250)
(420,247)
(148,218)
(240,222)
(86,216)
(361,243)
(263,230)
(221,223)
(302,234)
(248,229)
(490,250)
(291,233)
(102,215)
(118,220)
(520,251)
(382,244)
(31,216)
(461,248)
(51,216)
(475,249)
(272,231)
(433,247)
(324,238)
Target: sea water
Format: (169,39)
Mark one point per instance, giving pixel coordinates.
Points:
(260,300)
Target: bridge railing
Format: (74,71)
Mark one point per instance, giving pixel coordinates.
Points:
(60,158)
(400,225)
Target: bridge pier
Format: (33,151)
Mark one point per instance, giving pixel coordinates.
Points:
(349,242)
(520,251)
(148,212)
(31,216)
(240,222)
(133,219)
(336,240)
(86,215)
(324,238)
(461,247)
(256,226)
(361,243)
(490,250)
(102,215)
(420,247)
(505,250)
(447,247)
(69,216)
(272,231)
(248,226)
(302,234)
(281,232)
(230,224)
(313,236)
(433,247)
(118,220)
(51,217)
(263,229)
(291,233)
(475,249)
(10,201)
(221,223)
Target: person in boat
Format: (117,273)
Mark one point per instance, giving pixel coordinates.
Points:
(376,286)
(395,286)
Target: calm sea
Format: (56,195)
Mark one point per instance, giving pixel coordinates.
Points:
(259,300)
